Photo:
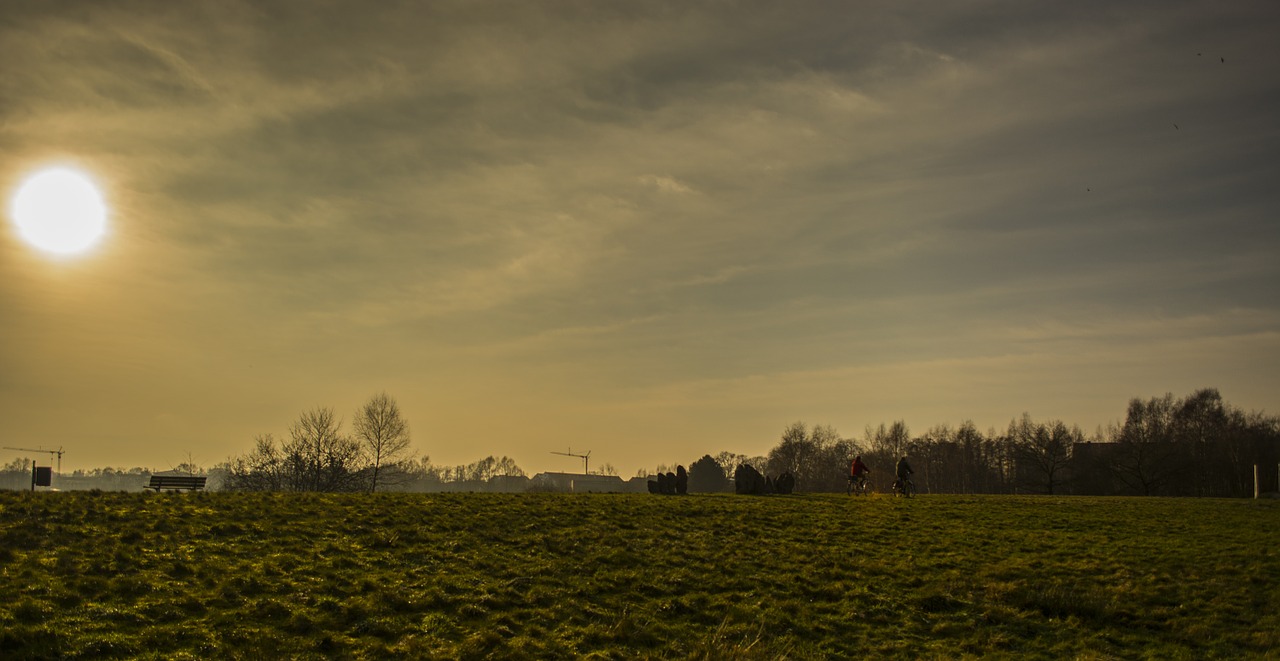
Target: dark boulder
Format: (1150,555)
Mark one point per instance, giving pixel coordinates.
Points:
(785,484)
(748,480)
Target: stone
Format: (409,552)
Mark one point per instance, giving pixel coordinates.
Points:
(748,480)
(785,484)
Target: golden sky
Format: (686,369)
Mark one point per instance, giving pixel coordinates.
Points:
(651,230)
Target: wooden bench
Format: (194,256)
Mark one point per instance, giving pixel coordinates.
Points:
(176,482)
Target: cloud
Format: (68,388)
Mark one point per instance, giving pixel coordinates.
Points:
(664,184)
(633,198)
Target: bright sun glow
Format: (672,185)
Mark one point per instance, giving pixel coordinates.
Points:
(59,210)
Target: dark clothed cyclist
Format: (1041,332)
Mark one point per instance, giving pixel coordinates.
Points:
(903,471)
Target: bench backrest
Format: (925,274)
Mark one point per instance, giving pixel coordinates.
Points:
(176,481)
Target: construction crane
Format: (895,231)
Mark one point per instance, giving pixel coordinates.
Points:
(584,457)
(57,452)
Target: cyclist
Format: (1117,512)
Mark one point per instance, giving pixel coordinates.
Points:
(858,475)
(904,472)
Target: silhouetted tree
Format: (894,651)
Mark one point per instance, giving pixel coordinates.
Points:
(817,459)
(489,468)
(21,465)
(260,470)
(1213,435)
(1194,446)
(893,440)
(707,476)
(974,464)
(1043,451)
(792,450)
(382,432)
(1146,458)
(882,447)
(934,457)
(320,456)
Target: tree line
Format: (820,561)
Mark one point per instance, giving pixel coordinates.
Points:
(1197,445)
(317,455)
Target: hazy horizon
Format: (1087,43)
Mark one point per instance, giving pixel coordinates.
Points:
(649,230)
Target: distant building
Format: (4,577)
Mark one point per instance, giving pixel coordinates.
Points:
(509,484)
(579,483)
(638,485)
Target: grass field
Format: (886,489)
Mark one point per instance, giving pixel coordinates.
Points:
(102,575)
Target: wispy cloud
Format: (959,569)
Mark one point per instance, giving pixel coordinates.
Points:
(657,213)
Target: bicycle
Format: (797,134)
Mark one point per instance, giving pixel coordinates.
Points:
(859,486)
(904,487)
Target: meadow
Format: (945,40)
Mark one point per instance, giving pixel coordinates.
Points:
(613,576)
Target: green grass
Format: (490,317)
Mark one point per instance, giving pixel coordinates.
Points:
(172,576)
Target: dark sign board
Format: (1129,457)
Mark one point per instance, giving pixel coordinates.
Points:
(44,476)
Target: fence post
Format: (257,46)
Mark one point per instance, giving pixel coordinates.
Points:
(1255,481)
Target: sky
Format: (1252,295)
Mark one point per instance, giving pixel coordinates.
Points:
(648,230)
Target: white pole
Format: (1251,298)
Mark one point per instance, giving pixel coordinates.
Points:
(1255,481)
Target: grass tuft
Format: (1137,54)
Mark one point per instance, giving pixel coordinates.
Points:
(1059,601)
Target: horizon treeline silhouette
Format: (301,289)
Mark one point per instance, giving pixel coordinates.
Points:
(1198,445)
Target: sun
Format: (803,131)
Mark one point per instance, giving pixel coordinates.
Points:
(59,210)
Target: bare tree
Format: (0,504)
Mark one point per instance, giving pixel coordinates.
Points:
(260,470)
(817,458)
(318,457)
(20,465)
(1147,458)
(792,452)
(488,468)
(382,431)
(730,461)
(974,472)
(1044,450)
(882,447)
(892,441)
